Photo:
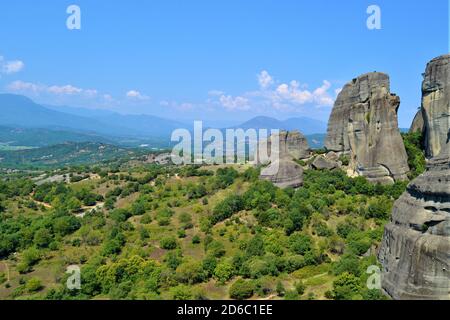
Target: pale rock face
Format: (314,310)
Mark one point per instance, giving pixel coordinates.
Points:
(435,103)
(325,163)
(283,171)
(364,125)
(292,144)
(415,252)
(418,124)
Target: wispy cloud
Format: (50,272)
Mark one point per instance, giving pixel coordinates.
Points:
(10,66)
(136,95)
(36,88)
(265,79)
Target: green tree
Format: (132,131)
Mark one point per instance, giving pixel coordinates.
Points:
(224,272)
(33,285)
(346,287)
(241,289)
(168,243)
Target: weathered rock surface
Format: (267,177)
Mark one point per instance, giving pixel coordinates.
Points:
(435,103)
(415,251)
(418,124)
(324,163)
(364,125)
(283,173)
(292,145)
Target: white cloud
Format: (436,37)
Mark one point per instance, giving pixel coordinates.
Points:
(10,67)
(134,94)
(64,90)
(265,79)
(237,103)
(24,86)
(290,96)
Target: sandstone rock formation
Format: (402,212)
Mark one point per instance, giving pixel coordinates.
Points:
(284,172)
(324,163)
(415,251)
(293,145)
(364,125)
(418,124)
(435,103)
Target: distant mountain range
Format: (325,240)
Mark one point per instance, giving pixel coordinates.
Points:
(305,125)
(26,123)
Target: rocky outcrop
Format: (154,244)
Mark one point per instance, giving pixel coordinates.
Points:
(325,163)
(292,145)
(415,252)
(283,173)
(364,125)
(435,103)
(418,124)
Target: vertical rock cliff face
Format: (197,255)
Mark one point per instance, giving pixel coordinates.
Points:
(435,103)
(418,124)
(364,125)
(415,252)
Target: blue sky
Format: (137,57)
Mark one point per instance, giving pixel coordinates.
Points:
(221,59)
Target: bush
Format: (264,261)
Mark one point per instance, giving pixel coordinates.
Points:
(120,215)
(224,272)
(225,209)
(299,243)
(346,287)
(196,239)
(146,219)
(33,285)
(168,243)
(190,272)
(241,289)
(300,288)
(181,292)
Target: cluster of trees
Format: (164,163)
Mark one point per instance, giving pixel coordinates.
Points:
(414,144)
(276,232)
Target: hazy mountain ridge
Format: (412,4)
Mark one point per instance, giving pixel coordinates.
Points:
(26,123)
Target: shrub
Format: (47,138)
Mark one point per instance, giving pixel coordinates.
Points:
(299,243)
(146,219)
(223,272)
(196,239)
(33,285)
(241,289)
(346,286)
(225,209)
(168,243)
